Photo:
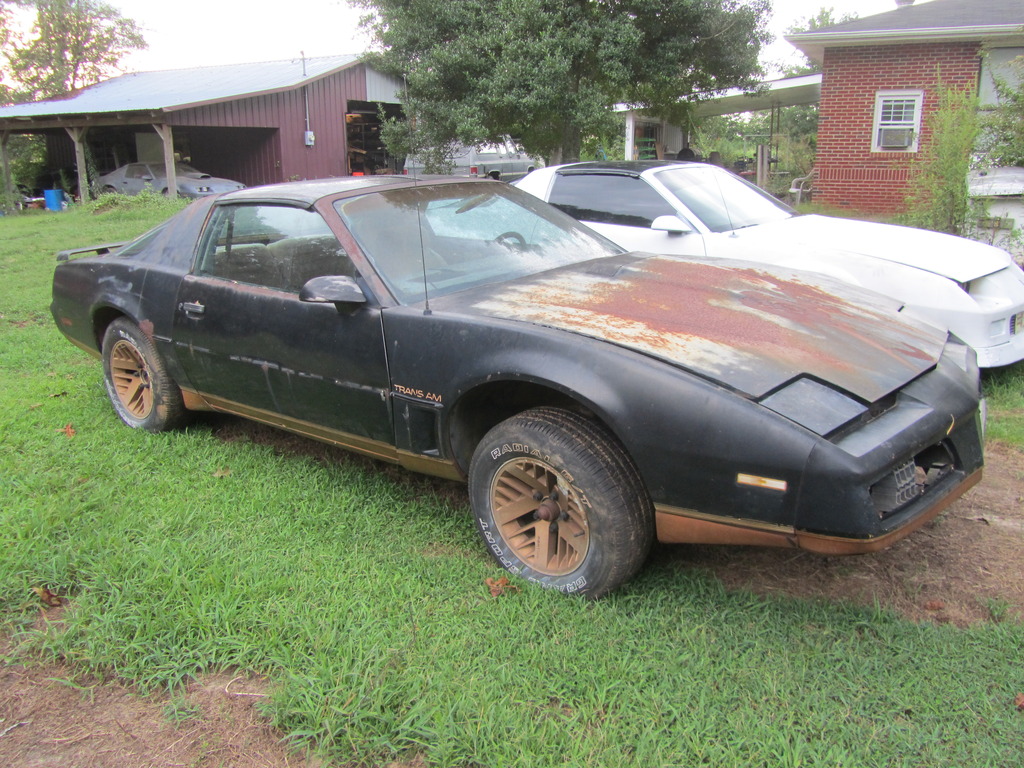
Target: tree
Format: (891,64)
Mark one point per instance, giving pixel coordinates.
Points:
(73,43)
(825,17)
(939,198)
(7,34)
(550,72)
(1004,123)
(794,129)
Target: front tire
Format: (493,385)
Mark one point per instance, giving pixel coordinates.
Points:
(559,503)
(144,396)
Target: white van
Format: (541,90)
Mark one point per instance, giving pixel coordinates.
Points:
(504,161)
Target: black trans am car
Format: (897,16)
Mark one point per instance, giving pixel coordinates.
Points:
(594,399)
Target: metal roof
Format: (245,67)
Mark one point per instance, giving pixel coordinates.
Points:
(784,92)
(174,89)
(996,182)
(921,22)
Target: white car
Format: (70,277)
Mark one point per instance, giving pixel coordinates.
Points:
(974,290)
(131,179)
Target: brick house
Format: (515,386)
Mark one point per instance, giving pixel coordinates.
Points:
(881,78)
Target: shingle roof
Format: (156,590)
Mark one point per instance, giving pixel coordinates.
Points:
(938,14)
(172,89)
(981,20)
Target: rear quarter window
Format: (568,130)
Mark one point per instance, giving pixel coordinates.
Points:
(140,244)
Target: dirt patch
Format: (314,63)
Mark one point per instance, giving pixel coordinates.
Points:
(965,567)
(51,717)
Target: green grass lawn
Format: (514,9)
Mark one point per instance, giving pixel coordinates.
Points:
(1004,390)
(359,591)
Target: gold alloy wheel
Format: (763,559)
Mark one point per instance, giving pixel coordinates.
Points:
(540,516)
(130,374)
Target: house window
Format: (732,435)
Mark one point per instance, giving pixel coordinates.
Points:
(897,121)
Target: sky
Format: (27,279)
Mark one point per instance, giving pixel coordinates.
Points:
(192,33)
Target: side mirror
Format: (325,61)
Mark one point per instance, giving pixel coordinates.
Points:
(332,289)
(671,224)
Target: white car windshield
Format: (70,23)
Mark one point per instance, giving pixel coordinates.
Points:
(450,237)
(722,200)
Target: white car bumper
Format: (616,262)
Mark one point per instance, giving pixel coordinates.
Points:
(1007,352)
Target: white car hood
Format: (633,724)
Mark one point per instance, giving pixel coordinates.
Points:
(822,236)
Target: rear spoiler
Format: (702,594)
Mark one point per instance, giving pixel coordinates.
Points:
(98,250)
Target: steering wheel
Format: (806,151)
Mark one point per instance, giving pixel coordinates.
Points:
(511,239)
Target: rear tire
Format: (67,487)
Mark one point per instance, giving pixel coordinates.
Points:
(144,396)
(559,503)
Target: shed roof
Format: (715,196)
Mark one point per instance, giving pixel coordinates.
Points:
(174,89)
(937,20)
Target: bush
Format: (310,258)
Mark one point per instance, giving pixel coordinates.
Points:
(938,198)
(1004,125)
(147,200)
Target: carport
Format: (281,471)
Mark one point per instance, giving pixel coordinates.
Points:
(258,123)
(646,134)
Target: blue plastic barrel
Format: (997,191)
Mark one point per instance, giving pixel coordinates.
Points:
(54,199)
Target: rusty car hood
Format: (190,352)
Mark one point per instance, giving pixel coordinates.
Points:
(750,327)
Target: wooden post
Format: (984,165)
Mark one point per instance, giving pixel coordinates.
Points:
(78,137)
(170,167)
(763,157)
(8,201)
(630,153)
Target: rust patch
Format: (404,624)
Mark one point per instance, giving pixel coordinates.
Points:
(750,327)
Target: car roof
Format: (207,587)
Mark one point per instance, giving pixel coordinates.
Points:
(626,167)
(308,192)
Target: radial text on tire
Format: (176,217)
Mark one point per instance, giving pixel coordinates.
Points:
(559,503)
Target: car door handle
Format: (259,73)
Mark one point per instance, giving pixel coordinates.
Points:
(192,307)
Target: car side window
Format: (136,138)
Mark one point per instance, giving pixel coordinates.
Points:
(609,199)
(275,246)
(136,171)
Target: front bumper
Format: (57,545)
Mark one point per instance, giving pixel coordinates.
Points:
(1007,353)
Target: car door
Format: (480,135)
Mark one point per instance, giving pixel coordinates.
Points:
(251,346)
(622,207)
(516,160)
(137,176)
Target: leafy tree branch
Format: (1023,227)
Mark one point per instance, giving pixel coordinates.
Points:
(550,72)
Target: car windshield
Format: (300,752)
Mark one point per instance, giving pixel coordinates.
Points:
(722,200)
(450,237)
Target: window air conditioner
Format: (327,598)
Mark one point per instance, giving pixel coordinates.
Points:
(895,138)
